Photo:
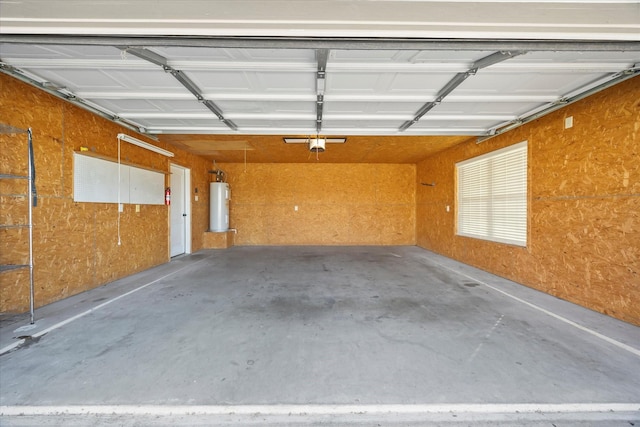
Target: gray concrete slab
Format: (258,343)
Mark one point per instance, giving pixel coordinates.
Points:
(337,334)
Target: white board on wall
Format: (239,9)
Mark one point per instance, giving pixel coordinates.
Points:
(146,187)
(96,180)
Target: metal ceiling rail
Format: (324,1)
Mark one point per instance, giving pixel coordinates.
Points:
(310,97)
(344,43)
(332,132)
(68,96)
(457,80)
(154,58)
(413,66)
(322,56)
(562,102)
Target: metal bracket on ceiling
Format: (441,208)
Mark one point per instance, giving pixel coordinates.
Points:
(65,94)
(154,58)
(457,80)
(6,67)
(147,55)
(633,69)
(322,55)
(561,102)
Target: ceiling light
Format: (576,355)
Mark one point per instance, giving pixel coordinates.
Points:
(317,144)
(306,140)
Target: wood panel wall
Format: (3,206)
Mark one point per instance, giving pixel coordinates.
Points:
(584,214)
(76,244)
(584,205)
(338,204)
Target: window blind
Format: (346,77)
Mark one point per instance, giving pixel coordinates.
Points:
(492,196)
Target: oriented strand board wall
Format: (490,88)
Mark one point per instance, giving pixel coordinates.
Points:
(584,205)
(338,204)
(76,244)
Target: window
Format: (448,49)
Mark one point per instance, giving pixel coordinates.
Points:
(492,196)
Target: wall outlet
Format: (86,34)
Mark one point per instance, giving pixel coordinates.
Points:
(196,197)
(120,207)
(295,208)
(568,122)
(137,208)
(448,208)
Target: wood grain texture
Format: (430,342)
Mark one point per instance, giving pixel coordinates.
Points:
(76,244)
(272,149)
(337,204)
(217,240)
(584,205)
(584,193)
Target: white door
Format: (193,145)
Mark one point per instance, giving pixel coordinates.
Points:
(180,220)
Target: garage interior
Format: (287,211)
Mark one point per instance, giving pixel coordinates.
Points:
(341,290)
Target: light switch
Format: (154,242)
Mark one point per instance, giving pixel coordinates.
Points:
(295,208)
(137,208)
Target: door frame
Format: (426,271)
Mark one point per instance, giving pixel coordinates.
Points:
(187,208)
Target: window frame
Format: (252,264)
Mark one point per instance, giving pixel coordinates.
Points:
(509,176)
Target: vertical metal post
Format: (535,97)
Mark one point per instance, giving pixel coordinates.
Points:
(30,179)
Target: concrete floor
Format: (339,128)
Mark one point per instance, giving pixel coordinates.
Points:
(318,336)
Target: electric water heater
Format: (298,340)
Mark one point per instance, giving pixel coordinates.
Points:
(219,195)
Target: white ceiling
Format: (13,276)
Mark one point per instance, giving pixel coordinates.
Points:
(308,73)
